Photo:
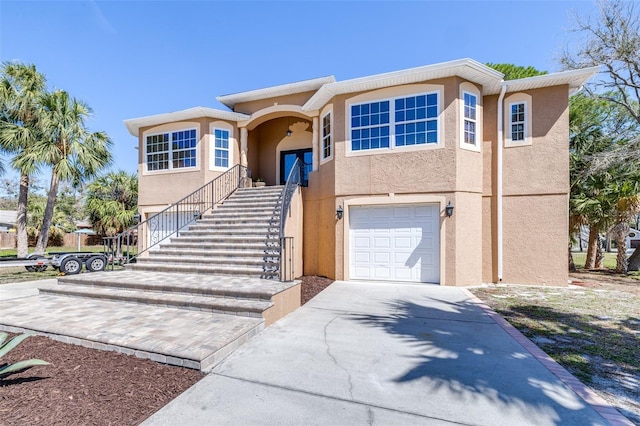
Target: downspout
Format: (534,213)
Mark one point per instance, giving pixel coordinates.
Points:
(503,90)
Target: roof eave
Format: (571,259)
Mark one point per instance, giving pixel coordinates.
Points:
(134,124)
(274,91)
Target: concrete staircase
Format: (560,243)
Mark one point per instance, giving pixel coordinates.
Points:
(240,237)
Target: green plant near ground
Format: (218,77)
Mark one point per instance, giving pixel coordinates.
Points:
(7,369)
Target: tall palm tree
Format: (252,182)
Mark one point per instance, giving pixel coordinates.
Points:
(21,90)
(69,148)
(112,201)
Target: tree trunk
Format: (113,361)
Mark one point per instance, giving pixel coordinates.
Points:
(599,254)
(621,258)
(572,265)
(634,261)
(21,220)
(43,238)
(592,248)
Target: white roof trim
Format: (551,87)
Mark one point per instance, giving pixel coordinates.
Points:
(275,91)
(465,68)
(575,79)
(134,124)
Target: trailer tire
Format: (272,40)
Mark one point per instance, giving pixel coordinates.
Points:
(96,263)
(36,268)
(71,266)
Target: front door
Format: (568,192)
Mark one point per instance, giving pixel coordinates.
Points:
(288,158)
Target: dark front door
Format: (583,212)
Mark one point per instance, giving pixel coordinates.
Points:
(288,158)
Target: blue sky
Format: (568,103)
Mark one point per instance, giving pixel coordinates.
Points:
(129,59)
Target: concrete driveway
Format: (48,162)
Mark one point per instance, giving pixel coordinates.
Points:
(374,353)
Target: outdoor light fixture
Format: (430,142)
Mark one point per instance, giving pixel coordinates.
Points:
(339,212)
(449,209)
(136,218)
(288,129)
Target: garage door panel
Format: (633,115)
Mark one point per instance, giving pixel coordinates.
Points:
(402,243)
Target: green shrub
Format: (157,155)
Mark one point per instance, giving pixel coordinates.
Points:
(7,369)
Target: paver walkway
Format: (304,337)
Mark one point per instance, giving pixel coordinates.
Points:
(386,354)
(175,335)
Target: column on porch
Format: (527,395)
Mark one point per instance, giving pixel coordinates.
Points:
(315,143)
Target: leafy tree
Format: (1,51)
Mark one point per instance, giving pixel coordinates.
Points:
(611,40)
(73,153)
(514,72)
(21,88)
(112,202)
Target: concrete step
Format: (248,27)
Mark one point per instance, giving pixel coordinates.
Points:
(229,239)
(241,214)
(221,232)
(257,272)
(258,245)
(251,202)
(198,251)
(187,259)
(217,286)
(235,224)
(241,307)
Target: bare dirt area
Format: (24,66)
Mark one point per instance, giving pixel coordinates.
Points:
(85,386)
(592,328)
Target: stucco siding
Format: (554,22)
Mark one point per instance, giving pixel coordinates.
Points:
(535,239)
(543,166)
(251,107)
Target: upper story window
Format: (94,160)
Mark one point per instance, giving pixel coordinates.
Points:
(221,147)
(398,122)
(171,150)
(470,106)
(327,146)
(517,122)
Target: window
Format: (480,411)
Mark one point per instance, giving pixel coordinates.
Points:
(470,106)
(158,152)
(326,137)
(399,122)
(172,150)
(517,122)
(221,146)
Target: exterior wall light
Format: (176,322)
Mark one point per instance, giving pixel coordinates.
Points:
(339,212)
(449,209)
(136,218)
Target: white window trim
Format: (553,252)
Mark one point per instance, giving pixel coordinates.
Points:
(170,169)
(515,99)
(221,125)
(392,123)
(324,159)
(470,89)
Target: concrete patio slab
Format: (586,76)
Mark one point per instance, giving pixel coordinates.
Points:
(382,353)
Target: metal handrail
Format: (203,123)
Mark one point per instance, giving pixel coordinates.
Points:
(294,180)
(173,219)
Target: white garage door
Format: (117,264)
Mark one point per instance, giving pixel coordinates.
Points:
(395,243)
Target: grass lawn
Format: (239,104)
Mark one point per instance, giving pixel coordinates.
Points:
(592,330)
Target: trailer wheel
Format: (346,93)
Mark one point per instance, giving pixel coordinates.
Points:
(71,266)
(36,268)
(96,263)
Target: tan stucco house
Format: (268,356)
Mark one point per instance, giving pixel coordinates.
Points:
(390,152)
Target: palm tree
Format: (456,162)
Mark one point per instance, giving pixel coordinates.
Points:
(21,89)
(73,153)
(112,202)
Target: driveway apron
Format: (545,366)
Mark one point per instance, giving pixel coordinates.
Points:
(381,353)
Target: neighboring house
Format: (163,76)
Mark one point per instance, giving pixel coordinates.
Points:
(8,220)
(392,151)
(633,239)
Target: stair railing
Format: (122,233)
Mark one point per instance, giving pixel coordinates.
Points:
(294,180)
(138,239)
